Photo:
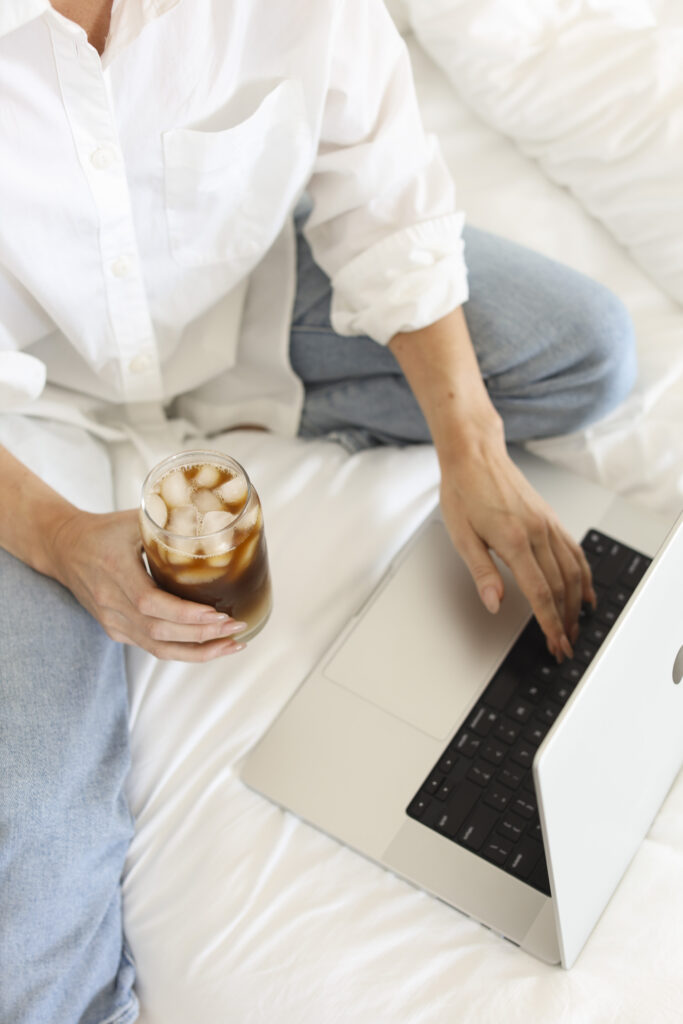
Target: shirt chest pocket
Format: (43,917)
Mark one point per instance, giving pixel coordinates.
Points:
(229,192)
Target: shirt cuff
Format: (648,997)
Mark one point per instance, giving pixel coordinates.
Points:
(403,283)
(22,379)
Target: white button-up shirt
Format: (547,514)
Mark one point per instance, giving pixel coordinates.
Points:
(146,241)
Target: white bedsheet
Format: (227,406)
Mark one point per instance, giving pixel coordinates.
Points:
(237,912)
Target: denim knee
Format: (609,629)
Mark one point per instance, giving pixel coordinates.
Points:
(609,346)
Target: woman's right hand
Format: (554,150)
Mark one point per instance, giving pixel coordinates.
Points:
(99,558)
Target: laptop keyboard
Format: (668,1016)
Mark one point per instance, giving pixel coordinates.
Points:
(480,793)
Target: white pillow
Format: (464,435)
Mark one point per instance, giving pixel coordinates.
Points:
(593,89)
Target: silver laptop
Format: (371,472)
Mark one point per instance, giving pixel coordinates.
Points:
(445,744)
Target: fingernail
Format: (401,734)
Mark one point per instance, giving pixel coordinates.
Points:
(234,627)
(214,616)
(489,596)
(566,647)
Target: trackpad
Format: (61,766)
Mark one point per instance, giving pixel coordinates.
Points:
(425,647)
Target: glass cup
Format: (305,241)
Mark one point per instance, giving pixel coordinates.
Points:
(202,530)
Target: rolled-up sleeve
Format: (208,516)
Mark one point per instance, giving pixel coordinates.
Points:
(22,379)
(384,224)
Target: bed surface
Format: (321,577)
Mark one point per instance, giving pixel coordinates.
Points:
(237,912)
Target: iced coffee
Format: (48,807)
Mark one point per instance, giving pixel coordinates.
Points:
(202,531)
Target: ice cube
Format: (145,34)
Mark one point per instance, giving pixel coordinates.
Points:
(176,555)
(207,501)
(156,509)
(250,519)
(175,489)
(220,561)
(233,492)
(214,521)
(183,521)
(146,530)
(245,554)
(207,476)
(197,574)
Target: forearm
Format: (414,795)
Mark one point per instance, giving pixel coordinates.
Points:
(441,368)
(30,514)
(487,504)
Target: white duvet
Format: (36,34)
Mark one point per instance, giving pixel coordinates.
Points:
(593,90)
(237,912)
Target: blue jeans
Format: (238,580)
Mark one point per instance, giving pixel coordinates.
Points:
(556,350)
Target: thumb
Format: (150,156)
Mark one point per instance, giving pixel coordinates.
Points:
(482,568)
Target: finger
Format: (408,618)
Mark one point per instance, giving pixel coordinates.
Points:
(542,547)
(573,576)
(160,630)
(150,601)
(519,557)
(482,568)
(171,651)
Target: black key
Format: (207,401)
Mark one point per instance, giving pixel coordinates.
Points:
(534,830)
(524,857)
(507,731)
(494,751)
(478,827)
(539,877)
(524,807)
(501,689)
(584,652)
(447,762)
(481,772)
(433,782)
(483,720)
(497,796)
(571,671)
(523,753)
(608,614)
(610,568)
(438,817)
(535,733)
(634,571)
(510,775)
(419,806)
(546,672)
(561,691)
(496,850)
(460,804)
(548,712)
(595,634)
(444,791)
(531,691)
(512,827)
(594,541)
(519,710)
(619,596)
(467,743)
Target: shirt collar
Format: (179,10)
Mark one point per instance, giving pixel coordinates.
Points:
(128,17)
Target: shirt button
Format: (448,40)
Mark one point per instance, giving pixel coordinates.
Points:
(140,362)
(121,267)
(102,157)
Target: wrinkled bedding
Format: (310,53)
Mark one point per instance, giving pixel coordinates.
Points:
(236,911)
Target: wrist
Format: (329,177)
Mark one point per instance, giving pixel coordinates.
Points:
(466,429)
(59,518)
